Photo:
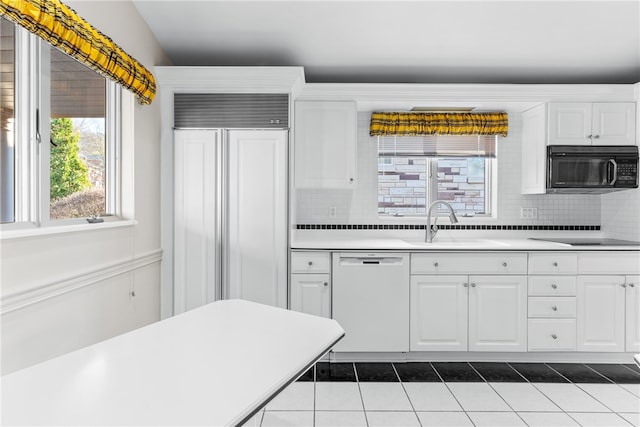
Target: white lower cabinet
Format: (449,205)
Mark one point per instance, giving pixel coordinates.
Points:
(497,313)
(600,312)
(310,284)
(632,314)
(468,313)
(311,294)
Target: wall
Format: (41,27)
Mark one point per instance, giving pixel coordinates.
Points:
(359,206)
(76,287)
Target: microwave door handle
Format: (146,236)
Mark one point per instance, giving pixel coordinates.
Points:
(615,172)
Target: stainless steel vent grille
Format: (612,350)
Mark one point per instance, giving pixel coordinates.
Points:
(231,110)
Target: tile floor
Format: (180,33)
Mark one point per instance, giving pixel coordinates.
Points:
(458,394)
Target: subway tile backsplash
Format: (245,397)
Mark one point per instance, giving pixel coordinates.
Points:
(359,206)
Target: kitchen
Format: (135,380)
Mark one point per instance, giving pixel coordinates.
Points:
(312,219)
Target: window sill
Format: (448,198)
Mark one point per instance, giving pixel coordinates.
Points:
(17,233)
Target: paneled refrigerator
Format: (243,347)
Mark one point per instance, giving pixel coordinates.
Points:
(230,216)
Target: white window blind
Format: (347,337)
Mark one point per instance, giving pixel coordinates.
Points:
(437,146)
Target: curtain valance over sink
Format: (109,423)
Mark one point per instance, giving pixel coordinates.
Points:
(435,123)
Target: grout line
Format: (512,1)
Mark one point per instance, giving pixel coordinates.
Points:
(314,395)
(364,409)
(452,393)
(406,394)
(602,375)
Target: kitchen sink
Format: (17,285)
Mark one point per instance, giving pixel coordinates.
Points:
(458,243)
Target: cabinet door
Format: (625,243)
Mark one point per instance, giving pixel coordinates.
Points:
(614,123)
(633,314)
(600,313)
(311,294)
(497,313)
(439,313)
(569,123)
(257,216)
(325,144)
(195,268)
(534,154)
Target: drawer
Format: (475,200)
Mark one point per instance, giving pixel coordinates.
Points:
(469,263)
(310,262)
(614,262)
(553,263)
(552,285)
(552,306)
(552,335)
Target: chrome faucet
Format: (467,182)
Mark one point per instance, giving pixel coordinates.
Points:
(432,230)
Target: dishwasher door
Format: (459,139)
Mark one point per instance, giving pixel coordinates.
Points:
(371,301)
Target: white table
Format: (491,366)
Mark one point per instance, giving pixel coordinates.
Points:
(215,365)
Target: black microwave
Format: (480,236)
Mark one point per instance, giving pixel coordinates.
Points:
(591,168)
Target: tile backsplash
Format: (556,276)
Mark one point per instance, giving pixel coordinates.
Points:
(616,211)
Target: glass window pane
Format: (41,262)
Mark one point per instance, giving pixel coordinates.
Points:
(461,183)
(78,108)
(402,185)
(7,121)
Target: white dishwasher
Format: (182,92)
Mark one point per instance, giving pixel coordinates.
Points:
(371,301)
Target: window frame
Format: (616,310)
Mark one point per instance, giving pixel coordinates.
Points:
(32,155)
(490,188)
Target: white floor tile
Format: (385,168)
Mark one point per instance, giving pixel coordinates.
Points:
(431,397)
(495,419)
(392,419)
(338,396)
(632,388)
(613,396)
(634,419)
(287,419)
(477,397)
(384,397)
(340,419)
(547,419)
(590,419)
(297,397)
(570,398)
(524,397)
(444,419)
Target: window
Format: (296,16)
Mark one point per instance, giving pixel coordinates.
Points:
(413,172)
(64,131)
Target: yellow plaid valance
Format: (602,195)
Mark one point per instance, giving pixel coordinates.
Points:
(412,124)
(58,24)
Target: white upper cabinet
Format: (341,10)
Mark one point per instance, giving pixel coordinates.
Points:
(592,124)
(325,144)
(534,141)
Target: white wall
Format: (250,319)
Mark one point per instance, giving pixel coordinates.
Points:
(359,206)
(77,286)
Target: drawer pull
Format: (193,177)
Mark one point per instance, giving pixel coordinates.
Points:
(554,336)
(435,264)
(624,285)
(310,262)
(555,264)
(554,286)
(554,308)
(473,285)
(504,264)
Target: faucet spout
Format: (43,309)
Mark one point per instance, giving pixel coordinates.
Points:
(431,231)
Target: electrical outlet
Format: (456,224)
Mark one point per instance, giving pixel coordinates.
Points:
(332,211)
(528,213)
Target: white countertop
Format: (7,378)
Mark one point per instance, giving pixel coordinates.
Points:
(445,242)
(214,365)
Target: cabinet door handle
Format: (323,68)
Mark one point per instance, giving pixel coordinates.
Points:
(554,286)
(466,285)
(555,264)
(589,136)
(631,285)
(310,262)
(596,136)
(554,308)
(504,264)
(350,179)
(554,336)
(326,283)
(624,285)
(435,264)
(473,285)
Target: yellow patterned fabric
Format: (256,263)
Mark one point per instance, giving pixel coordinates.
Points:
(58,24)
(411,124)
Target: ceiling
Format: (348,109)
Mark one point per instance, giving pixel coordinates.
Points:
(401,41)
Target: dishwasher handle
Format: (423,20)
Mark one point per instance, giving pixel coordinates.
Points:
(348,261)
